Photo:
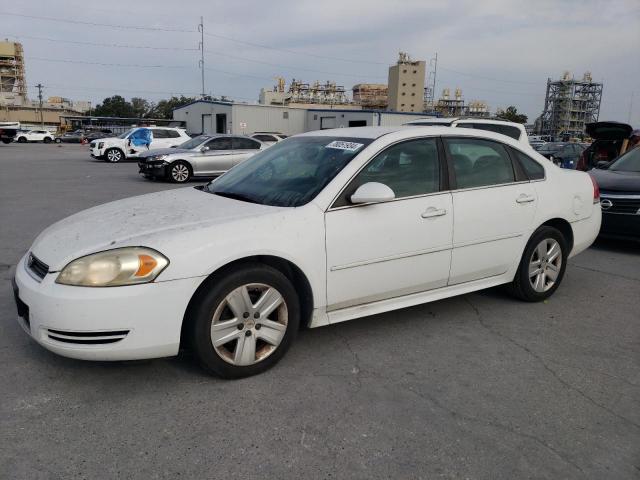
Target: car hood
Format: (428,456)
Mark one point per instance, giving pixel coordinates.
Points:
(617,181)
(150,220)
(163,151)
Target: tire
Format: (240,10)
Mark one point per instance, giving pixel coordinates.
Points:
(113,155)
(22,140)
(46,140)
(7,140)
(57,140)
(179,172)
(215,305)
(544,257)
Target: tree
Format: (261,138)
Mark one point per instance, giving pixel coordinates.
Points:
(511,114)
(140,107)
(115,106)
(164,108)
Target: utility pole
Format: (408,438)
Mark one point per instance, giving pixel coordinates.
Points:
(201,62)
(40,100)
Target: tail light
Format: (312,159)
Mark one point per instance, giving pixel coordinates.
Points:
(596,190)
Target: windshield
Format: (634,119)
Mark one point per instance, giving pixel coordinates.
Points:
(551,147)
(126,134)
(194,142)
(629,162)
(290,173)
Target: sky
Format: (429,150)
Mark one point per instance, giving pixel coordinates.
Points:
(499,51)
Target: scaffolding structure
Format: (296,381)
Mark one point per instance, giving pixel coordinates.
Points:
(371,95)
(569,105)
(13,85)
(327,93)
(455,106)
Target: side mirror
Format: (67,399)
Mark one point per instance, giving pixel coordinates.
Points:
(205,149)
(372,192)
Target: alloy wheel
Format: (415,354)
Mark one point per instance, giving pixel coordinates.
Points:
(180,173)
(249,324)
(545,265)
(114,155)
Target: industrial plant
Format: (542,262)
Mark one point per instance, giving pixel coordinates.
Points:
(569,105)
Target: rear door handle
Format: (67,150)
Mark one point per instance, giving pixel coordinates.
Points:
(525,198)
(433,212)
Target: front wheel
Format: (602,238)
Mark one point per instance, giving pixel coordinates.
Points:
(244,321)
(179,172)
(58,140)
(542,265)
(22,140)
(114,155)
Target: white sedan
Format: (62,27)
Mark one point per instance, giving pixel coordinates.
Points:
(318,229)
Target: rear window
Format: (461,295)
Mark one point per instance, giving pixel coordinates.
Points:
(240,143)
(172,134)
(508,130)
(533,169)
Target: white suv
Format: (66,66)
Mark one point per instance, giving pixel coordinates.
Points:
(114,149)
(510,129)
(34,136)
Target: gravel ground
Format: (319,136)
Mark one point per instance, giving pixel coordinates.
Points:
(474,387)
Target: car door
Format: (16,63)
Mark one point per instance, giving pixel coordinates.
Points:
(383,250)
(217,158)
(494,205)
(244,148)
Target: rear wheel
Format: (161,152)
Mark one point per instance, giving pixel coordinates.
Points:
(22,140)
(114,155)
(46,140)
(542,265)
(244,321)
(179,172)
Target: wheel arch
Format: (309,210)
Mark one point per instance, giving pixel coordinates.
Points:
(564,227)
(297,277)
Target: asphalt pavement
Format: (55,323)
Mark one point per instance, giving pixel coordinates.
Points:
(480,386)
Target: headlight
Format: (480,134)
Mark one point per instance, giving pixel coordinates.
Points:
(159,158)
(120,266)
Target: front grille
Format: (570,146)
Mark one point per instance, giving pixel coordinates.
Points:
(87,338)
(624,204)
(36,266)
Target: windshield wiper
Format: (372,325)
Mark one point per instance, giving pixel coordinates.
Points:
(236,196)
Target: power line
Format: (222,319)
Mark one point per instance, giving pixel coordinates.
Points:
(350,60)
(114,45)
(94,24)
(290,67)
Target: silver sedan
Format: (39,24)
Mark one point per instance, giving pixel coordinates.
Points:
(202,156)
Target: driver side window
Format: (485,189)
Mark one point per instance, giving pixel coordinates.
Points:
(409,168)
(219,144)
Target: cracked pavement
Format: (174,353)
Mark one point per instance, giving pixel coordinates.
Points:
(475,387)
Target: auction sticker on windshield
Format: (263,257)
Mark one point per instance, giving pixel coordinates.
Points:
(349,146)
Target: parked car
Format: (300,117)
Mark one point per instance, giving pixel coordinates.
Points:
(568,155)
(115,149)
(536,144)
(8,131)
(550,149)
(203,156)
(269,138)
(24,136)
(608,141)
(78,136)
(510,129)
(619,183)
(323,227)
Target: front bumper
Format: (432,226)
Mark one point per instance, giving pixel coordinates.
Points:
(152,169)
(620,225)
(96,152)
(110,323)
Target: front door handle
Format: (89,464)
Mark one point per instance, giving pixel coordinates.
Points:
(525,198)
(433,212)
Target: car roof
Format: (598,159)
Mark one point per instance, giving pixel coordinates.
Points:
(377,132)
